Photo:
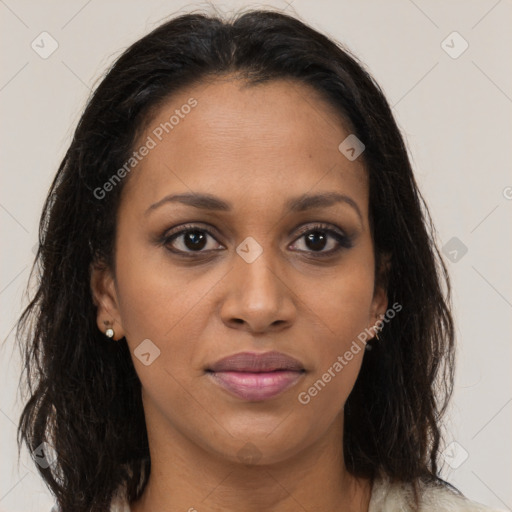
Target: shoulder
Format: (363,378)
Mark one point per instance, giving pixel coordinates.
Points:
(390,497)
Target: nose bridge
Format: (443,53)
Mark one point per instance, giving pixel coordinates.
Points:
(257,296)
(256,275)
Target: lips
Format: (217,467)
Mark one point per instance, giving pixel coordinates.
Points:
(254,362)
(255,377)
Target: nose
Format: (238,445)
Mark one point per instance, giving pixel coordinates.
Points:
(258,298)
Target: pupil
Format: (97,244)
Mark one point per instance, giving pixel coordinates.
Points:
(313,239)
(195,240)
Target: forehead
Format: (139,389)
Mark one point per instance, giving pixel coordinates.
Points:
(256,141)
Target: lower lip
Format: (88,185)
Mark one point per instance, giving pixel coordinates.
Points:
(256,386)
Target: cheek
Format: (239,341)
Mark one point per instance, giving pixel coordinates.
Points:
(161,305)
(337,352)
(154,296)
(168,305)
(339,314)
(341,302)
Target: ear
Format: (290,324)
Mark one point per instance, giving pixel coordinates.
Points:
(104,296)
(380,293)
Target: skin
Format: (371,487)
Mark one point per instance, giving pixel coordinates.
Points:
(254,147)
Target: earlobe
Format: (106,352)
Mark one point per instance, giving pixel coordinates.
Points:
(104,296)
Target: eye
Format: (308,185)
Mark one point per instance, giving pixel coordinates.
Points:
(320,236)
(190,239)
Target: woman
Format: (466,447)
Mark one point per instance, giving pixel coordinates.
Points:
(241,303)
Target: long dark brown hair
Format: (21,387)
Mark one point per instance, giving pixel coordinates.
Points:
(83,394)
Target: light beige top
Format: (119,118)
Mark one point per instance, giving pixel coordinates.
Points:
(387,497)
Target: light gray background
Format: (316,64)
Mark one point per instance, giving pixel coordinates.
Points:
(454,112)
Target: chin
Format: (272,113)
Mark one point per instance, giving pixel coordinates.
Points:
(257,447)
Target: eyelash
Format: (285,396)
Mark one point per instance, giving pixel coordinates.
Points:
(344,241)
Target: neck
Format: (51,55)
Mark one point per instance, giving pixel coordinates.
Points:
(185,477)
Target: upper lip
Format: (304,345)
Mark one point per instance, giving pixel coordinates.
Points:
(254,362)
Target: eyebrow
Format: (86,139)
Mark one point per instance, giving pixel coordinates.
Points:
(294,204)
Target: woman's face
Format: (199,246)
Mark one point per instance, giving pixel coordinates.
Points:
(262,268)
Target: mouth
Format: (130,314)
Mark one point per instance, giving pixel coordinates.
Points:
(256,377)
